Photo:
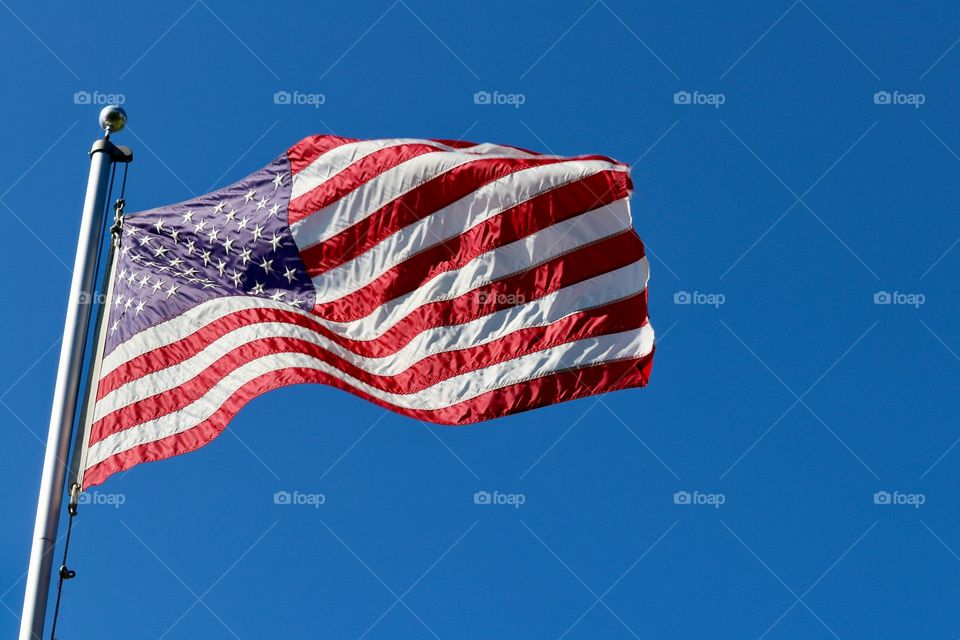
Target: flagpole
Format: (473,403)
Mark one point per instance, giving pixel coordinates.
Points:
(65,395)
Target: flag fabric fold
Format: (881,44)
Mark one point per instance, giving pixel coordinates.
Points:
(447,281)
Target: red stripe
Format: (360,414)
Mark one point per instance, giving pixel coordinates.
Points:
(311,148)
(523,396)
(352,177)
(416,204)
(517,222)
(626,314)
(582,264)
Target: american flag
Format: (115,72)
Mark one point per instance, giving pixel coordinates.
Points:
(448,281)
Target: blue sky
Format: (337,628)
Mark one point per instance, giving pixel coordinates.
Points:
(795,167)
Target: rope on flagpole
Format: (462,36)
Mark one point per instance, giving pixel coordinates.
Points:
(64,573)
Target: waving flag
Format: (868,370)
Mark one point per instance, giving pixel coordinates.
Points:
(448,281)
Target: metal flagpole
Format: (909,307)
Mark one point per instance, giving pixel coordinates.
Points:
(65,395)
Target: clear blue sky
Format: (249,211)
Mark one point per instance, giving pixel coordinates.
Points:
(794,203)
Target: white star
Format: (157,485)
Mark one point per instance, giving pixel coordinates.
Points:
(128,303)
(219,207)
(190,244)
(140,305)
(143,281)
(189,272)
(122,274)
(214,233)
(118,301)
(156,286)
(231,215)
(205,255)
(159,226)
(227,245)
(278,181)
(113,327)
(221,266)
(172,291)
(237,278)
(247,198)
(145,240)
(175,234)
(245,256)
(257,232)
(275,241)
(242,223)
(187,217)
(296,302)
(124,251)
(290,274)
(176,262)
(161,250)
(275,209)
(277,295)
(261,203)
(257,289)
(266,265)
(198,227)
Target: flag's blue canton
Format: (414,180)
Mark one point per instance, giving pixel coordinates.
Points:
(235,241)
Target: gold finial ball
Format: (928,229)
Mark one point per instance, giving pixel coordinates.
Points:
(113,117)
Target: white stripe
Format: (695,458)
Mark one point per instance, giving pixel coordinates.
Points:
(372,195)
(339,158)
(627,345)
(486,202)
(595,292)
